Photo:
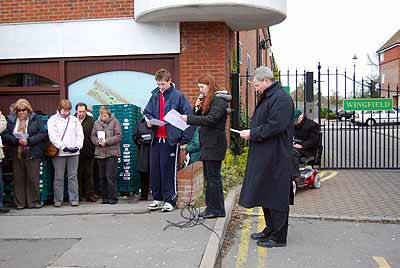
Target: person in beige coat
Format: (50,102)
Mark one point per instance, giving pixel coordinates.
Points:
(106,136)
(3,126)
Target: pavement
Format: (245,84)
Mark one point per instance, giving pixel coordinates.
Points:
(127,235)
(353,220)
(355,195)
(120,236)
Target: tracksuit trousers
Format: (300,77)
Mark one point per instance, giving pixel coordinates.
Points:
(163,169)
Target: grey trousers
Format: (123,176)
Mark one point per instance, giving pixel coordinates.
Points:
(70,163)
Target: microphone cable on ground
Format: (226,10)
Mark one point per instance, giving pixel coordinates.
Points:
(190,213)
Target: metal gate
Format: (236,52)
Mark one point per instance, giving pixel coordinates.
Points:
(351,140)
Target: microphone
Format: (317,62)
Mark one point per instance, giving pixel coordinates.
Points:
(200,98)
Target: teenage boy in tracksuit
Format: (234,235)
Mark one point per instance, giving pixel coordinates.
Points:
(166,140)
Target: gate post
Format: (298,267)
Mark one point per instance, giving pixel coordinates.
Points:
(309,95)
(319,93)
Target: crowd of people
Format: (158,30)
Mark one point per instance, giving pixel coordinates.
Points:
(80,145)
(278,136)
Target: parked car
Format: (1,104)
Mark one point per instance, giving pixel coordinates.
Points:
(344,115)
(377,117)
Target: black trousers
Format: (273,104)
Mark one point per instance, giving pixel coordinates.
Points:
(144,184)
(214,192)
(277,223)
(85,176)
(108,171)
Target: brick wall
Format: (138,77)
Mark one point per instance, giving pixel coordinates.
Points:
(391,54)
(391,73)
(190,182)
(55,10)
(205,48)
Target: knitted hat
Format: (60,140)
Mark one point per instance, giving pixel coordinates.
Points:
(296,114)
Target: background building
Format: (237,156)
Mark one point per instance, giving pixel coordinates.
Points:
(104,51)
(389,67)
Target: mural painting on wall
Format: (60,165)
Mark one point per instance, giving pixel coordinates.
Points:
(126,87)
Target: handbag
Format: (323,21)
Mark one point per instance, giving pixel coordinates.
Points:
(50,150)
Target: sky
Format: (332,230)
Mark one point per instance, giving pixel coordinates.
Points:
(331,32)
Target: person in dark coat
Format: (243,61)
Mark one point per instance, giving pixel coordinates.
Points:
(86,155)
(142,138)
(26,136)
(306,137)
(269,169)
(213,142)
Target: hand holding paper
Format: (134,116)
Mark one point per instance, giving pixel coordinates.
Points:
(175,119)
(156,122)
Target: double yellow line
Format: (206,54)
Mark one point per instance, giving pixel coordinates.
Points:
(382,263)
(241,260)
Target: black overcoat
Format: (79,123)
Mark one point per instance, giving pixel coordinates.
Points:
(87,150)
(269,169)
(307,134)
(212,133)
(143,146)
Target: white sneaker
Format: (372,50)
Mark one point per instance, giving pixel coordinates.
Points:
(156,205)
(167,207)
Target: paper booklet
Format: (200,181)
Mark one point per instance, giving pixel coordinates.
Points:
(175,119)
(235,130)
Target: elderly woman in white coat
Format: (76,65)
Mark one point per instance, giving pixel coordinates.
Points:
(66,134)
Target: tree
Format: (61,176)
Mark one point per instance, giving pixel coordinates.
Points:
(372,78)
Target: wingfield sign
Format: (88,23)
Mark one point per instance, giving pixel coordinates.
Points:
(373,104)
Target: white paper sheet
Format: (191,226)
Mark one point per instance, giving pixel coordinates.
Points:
(20,135)
(101,135)
(235,130)
(175,119)
(156,122)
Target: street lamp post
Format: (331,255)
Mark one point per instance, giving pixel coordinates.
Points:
(354,74)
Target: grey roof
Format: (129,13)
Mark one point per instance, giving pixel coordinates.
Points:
(395,39)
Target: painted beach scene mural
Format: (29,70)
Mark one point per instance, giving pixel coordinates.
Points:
(117,87)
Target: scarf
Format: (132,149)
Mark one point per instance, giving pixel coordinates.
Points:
(22,150)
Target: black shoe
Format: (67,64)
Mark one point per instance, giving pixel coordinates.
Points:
(201,214)
(19,208)
(264,234)
(270,244)
(258,236)
(4,210)
(143,198)
(105,201)
(210,215)
(113,201)
(38,205)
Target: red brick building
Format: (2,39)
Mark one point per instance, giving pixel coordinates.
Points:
(48,45)
(389,67)
(106,51)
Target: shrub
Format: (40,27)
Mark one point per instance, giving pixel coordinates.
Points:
(325,114)
(233,169)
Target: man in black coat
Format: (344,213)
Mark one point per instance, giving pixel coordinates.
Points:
(270,166)
(86,155)
(306,137)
